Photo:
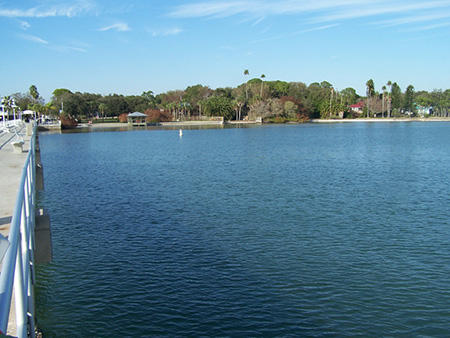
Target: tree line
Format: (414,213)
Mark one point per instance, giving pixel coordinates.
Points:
(274,101)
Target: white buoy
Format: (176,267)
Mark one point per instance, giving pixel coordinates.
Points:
(181,132)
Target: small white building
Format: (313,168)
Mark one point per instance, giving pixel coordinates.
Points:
(137,119)
(422,111)
(29,115)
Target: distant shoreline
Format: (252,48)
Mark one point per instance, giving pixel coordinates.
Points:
(392,119)
(200,123)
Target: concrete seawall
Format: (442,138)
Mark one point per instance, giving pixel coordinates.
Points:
(166,124)
(161,124)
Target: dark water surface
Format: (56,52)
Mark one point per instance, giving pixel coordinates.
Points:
(269,231)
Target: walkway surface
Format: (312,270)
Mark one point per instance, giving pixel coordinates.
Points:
(11,165)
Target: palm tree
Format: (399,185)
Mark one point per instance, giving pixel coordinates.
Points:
(389,84)
(102,108)
(382,101)
(7,103)
(34,92)
(370,86)
(370,90)
(6,106)
(262,84)
(246,73)
(331,101)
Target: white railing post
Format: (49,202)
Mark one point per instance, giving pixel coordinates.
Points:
(19,297)
(28,253)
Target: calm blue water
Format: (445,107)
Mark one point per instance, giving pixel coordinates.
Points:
(270,231)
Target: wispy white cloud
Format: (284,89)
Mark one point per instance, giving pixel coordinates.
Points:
(408,20)
(258,21)
(119,27)
(73,45)
(297,33)
(266,29)
(24,25)
(78,46)
(222,8)
(427,28)
(211,9)
(32,38)
(313,11)
(166,32)
(67,49)
(76,8)
(372,9)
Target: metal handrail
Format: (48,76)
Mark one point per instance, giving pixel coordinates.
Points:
(18,263)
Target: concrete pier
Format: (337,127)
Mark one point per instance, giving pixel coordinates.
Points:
(11,165)
(14,148)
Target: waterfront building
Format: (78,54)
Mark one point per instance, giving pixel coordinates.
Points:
(137,119)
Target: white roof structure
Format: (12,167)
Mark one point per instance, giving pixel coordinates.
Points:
(137,114)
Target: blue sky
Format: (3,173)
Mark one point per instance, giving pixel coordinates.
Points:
(127,47)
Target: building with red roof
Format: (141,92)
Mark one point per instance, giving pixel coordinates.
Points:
(358,107)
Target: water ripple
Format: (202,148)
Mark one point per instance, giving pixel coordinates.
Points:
(279,231)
